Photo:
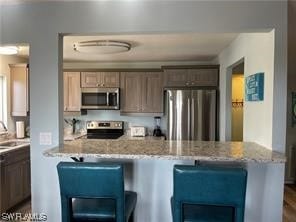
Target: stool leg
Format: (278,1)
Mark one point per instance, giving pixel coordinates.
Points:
(131,218)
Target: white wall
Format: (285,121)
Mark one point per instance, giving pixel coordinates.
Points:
(257,50)
(40,23)
(5,60)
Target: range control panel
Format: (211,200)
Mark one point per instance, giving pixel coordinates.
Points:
(104,125)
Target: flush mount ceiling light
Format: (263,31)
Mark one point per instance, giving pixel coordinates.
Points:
(102,47)
(8,50)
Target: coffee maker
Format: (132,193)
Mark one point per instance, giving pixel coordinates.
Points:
(157,131)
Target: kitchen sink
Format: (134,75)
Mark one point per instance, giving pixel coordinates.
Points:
(11,144)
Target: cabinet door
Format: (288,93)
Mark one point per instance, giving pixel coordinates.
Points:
(19,90)
(203,77)
(26,175)
(152,92)
(90,79)
(72,91)
(15,177)
(110,79)
(13,184)
(131,91)
(176,77)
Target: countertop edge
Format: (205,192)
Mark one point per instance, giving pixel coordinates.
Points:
(162,157)
(5,151)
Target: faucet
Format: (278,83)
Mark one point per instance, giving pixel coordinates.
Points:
(3,126)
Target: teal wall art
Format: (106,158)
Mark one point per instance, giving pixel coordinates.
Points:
(254,87)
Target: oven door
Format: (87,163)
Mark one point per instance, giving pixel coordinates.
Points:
(104,133)
(99,98)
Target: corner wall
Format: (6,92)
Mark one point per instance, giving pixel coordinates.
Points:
(257,50)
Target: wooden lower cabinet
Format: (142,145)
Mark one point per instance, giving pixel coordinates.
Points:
(15,178)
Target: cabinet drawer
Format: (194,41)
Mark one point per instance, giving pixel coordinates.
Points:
(16,155)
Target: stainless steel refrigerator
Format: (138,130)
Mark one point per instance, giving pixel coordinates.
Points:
(191,114)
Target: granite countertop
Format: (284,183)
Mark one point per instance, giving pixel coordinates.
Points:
(128,137)
(24,142)
(165,149)
(70,137)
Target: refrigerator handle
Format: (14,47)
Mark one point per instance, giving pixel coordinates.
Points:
(189,119)
(192,119)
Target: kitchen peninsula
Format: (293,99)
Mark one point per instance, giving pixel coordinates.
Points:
(149,167)
(167,149)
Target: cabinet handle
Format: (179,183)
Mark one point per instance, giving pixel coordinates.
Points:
(103,84)
(98,84)
(187,83)
(192,83)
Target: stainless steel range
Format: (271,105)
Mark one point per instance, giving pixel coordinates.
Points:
(104,129)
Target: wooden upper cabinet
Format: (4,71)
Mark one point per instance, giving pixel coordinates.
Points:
(109,79)
(130,91)
(141,92)
(176,77)
(90,79)
(188,77)
(203,77)
(99,79)
(19,89)
(72,92)
(152,92)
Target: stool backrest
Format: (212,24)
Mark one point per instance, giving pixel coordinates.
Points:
(90,180)
(203,185)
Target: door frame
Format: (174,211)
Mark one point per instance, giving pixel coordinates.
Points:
(228,94)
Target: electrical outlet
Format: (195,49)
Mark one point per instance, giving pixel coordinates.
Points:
(45,139)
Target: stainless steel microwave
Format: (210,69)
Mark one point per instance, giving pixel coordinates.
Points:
(100,98)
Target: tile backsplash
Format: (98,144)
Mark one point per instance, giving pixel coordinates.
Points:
(147,121)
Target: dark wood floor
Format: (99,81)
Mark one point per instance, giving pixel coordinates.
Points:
(289,211)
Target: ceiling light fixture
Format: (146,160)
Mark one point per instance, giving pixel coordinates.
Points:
(102,47)
(8,50)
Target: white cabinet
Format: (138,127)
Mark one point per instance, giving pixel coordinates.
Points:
(19,78)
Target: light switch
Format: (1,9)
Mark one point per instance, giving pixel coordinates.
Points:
(45,139)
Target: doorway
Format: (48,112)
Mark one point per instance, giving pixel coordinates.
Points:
(237,102)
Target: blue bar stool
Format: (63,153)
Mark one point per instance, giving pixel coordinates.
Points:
(208,194)
(94,192)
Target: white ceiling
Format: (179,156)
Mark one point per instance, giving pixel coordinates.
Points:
(154,47)
(150,47)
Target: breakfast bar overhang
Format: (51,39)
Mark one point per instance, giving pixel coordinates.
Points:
(149,170)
